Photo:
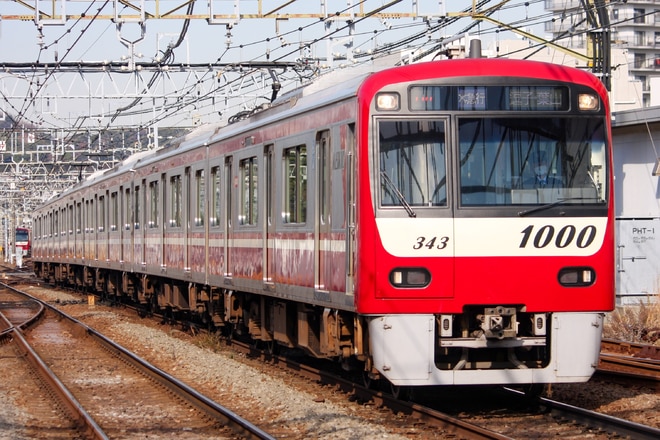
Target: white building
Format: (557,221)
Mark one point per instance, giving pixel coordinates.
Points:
(634,30)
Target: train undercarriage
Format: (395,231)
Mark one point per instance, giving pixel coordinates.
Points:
(508,342)
(320,332)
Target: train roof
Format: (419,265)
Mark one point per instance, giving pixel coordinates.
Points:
(327,89)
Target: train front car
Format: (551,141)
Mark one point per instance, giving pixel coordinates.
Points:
(485,235)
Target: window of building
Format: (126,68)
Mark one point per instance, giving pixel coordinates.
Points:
(639,15)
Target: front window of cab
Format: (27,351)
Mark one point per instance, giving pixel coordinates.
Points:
(529,160)
(412,163)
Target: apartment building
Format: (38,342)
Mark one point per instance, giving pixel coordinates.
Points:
(634,28)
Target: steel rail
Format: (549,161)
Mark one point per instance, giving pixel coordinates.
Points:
(452,425)
(610,424)
(240,425)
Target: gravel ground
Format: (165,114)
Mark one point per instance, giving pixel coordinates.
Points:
(293,408)
(285,406)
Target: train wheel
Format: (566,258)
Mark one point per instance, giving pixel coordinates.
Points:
(367,380)
(533,390)
(272,347)
(400,392)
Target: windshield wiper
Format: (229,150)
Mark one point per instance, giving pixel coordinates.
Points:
(553,204)
(397,193)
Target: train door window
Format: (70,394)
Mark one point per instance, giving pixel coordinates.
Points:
(200,198)
(248,193)
(412,156)
(154,207)
(71,218)
(128,201)
(137,211)
(175,201)
(88,217)
(93,221)
(295,185)
(114,211)
(270,179)
(78,218)
(63,222)
(350,207)
(101,217)
(214,197)
(228,190)
(323,148)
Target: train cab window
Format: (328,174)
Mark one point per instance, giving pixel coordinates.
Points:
(176,194)
(514,161)
(413,170)
(248,192)
(200,198)
(295,185)
(154,207)
(215,194)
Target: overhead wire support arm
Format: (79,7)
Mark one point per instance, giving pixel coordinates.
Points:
(536,38)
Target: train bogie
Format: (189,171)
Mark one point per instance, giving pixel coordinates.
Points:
(435,230)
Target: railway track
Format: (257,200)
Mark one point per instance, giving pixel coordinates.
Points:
(625,359)
(543,418)
(430,407)
(108,392)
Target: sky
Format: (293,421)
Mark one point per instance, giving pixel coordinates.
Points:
(248,40)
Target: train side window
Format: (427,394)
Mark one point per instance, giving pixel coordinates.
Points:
(153,204)
(248,194)
(295,185)
(200,190)
(215,195)
(176,200)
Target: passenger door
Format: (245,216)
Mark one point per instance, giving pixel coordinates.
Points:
(323,236)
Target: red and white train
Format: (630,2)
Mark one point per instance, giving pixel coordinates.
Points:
(442,223)
(22,241)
